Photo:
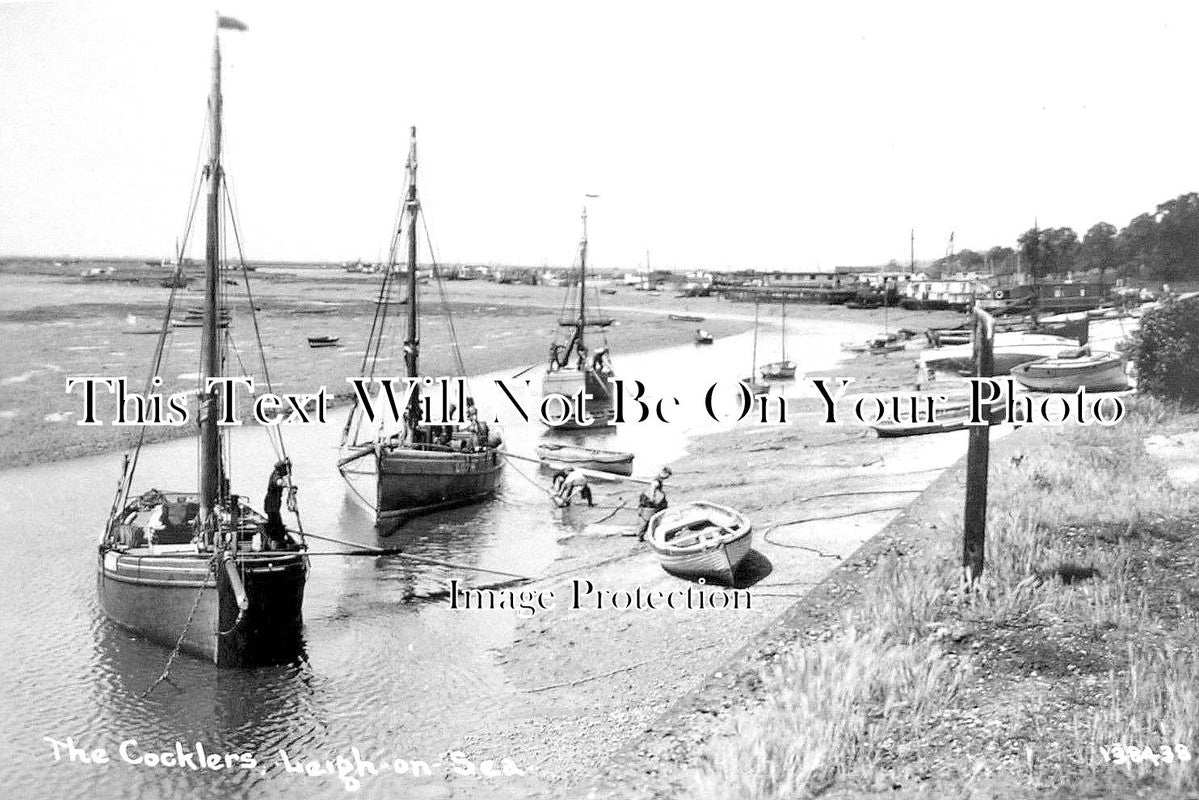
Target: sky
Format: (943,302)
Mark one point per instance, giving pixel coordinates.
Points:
(762,135)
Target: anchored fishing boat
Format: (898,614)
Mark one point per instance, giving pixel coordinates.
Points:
(425,465)
(565,456)
(201,571)
(1073,370)
(323,341)
(700,540)
(572,368)
(782,369)
(751,381)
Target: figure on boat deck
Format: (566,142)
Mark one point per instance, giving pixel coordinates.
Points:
(272,504)
(652,500)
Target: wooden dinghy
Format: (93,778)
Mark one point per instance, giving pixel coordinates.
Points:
(702,336)
(1073,370)
(700,540)
(323,341)
(779,370)
(951,418)
(687,317)
(565,456)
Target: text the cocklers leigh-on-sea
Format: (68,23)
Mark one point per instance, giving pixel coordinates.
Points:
(444,400)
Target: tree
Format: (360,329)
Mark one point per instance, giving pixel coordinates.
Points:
(1178,237)
(1049,251)
(1099,248)
(1136,245)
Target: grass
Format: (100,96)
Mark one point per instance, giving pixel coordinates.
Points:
(1082,634)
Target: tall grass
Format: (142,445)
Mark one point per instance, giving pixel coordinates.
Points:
(849,704)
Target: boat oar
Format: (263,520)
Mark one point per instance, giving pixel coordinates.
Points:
(526,369)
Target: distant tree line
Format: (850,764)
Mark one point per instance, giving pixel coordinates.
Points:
(1162,246)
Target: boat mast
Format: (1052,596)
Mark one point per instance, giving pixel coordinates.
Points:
(754,366)
(583,280)
(211,483)
(412,343)
(784,331)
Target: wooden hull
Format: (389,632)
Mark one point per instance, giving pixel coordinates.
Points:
(153,596)
(411,482)
(567,456)
(568,382)
(711,557)
(779,370)
(1101,373)
(686,318)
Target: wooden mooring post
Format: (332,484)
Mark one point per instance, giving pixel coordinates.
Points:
(974,527)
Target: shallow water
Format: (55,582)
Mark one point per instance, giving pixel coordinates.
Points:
(383,670)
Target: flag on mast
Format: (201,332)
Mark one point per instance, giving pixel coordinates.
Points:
(230,23)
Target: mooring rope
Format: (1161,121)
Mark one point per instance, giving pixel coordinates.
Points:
(183,634)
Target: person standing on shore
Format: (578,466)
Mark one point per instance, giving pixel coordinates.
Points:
(652,500)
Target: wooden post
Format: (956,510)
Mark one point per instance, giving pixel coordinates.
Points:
(977,457)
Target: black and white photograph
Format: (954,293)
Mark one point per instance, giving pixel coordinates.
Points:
(646,400)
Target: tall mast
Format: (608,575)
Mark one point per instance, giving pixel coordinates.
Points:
(912,255)
(210,352)
(412,343)
(754,366)
(583,279)
(784,330)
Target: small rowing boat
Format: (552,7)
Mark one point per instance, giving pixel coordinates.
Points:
(565,456)
(1072,370)
(702,336)
(951,418)
(687,317)
(323,341)
(700,540)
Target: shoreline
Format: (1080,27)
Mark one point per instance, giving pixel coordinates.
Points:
(500,327)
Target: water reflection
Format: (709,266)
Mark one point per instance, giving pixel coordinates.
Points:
(383,669)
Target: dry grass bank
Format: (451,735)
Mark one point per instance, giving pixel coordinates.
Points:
(1084,636)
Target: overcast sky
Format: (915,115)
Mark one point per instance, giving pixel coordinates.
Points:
(717,134)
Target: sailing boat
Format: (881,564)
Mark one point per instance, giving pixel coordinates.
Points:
(755,386)
(423,467)
(572,369)
(784,369)
(201,571)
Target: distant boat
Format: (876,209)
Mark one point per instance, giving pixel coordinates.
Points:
(607,291)
(565,456)
(1074,370)
(192,322)
(687,317)
(700,540)
(572,369)
(1009,350)
(782,369)
(702,336)
(323,341)
(756,386)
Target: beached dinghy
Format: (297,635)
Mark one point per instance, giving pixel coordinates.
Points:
(323,341)
(565,456)
(423,467)
(687,317)
(700,540)
(201,571)
(702,336)
(1073,370)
